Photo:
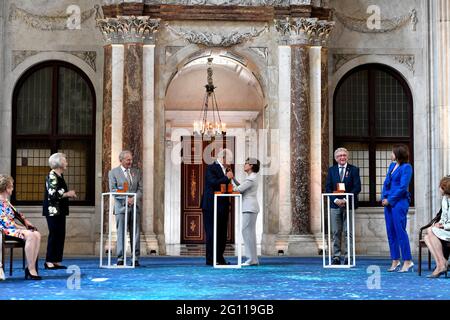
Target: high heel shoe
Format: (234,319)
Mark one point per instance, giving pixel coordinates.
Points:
(29,276)
(395,268)
(410,267)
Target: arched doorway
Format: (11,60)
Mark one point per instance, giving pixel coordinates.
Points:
(372,111)
(240,100)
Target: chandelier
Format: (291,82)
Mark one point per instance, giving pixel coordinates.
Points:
(212,126)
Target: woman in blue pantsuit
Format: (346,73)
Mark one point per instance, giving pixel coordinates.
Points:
(395,200)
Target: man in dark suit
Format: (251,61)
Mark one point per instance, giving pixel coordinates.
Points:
(215,175)
(342,172)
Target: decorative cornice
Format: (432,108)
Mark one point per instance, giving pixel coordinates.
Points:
(211,39)
(128,29)
(19,56)
(408,60)
(227,2)
(309,31)
(359,24)
(57,21)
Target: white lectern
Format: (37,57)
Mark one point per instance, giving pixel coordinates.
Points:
(238,216)
(112,195)
(350,213)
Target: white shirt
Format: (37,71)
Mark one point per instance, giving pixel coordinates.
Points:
(221,165)
(345,168)
(125,173)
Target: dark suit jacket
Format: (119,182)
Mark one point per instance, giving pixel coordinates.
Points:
(214,177)
(352,182)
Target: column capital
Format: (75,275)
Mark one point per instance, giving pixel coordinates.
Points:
(304,31)
(126,29)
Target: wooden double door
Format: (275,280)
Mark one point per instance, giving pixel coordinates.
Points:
(193,168)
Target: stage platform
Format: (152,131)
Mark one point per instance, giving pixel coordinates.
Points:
(188,278)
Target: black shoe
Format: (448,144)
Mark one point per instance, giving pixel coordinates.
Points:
(120,263)
(223,262)
(58,266)
(336,261)
(46,266)
(346,261)
(137,264)
(29,276)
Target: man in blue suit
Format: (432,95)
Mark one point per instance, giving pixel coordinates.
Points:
(342,172)
(215,175)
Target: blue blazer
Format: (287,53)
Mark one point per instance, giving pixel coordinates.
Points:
(214,177)
(395,187)
(352,182)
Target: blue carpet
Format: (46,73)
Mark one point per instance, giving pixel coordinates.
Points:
(187,278)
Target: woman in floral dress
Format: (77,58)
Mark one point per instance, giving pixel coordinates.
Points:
(56,208)
(10,228)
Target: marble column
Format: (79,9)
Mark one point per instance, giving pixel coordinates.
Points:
(284,125)
(117,61)
(440,98)
(300,140)
(148,152)
(316,135)
(129,105)
(107,116)
(132,125)
(325,116)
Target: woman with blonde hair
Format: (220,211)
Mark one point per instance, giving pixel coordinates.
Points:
(440,231)
(10,228)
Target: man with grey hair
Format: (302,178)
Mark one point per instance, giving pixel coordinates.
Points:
(126,179)
(347,174)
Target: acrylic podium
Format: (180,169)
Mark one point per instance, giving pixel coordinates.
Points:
(112,196)
(327,246)
(238,219)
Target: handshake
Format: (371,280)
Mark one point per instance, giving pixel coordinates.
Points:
(229,173)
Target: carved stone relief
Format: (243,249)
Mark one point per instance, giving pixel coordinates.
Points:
(360,24)
(407,60)
(228,2)
(212,39)
(304,30)
(128,29)
(56,21)
(19,56)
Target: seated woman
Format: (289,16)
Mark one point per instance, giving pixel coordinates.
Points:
(9,227)
(440,231)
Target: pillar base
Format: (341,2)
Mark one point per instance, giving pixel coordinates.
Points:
(292,245)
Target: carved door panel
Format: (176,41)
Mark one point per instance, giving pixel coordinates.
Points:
(193,169)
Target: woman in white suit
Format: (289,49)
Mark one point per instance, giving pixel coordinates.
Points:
(250,209)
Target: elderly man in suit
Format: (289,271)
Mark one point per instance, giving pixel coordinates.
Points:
(118,178)
(215,175)
(342,172)
(250,209)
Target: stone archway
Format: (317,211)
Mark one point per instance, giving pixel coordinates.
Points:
(241,100)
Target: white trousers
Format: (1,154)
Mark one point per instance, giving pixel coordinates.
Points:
(249,235)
